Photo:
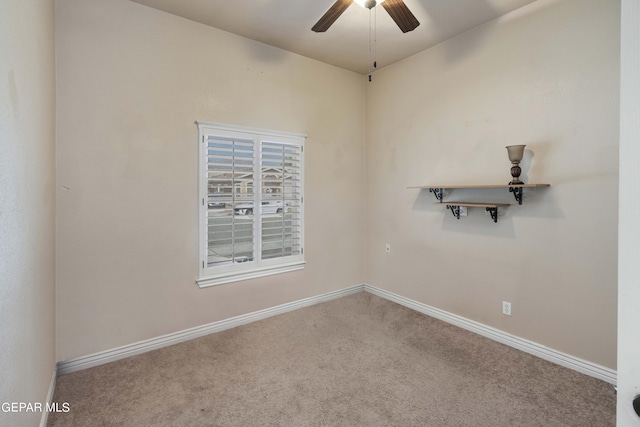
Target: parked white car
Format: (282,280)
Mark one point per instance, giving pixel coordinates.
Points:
(266,208)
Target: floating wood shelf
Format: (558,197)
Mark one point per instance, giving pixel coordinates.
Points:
(483,186)
(516,189)
(492,208)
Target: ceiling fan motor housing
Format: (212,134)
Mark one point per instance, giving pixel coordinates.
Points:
(370,4)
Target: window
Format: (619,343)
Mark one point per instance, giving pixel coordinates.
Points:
(251,203)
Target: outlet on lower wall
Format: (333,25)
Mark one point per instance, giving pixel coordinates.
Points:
(506,308)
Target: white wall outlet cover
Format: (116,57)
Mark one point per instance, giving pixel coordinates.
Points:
(506,308)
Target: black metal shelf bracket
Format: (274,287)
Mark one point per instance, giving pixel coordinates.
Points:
(438,192)
(517,193)
(455,210)
(494,213)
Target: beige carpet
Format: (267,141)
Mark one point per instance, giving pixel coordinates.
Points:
(356,361)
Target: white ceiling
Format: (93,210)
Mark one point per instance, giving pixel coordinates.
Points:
(287,24)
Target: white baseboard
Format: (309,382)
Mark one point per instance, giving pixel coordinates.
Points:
(96,359)
(562,359)
(52,388)
(530,347)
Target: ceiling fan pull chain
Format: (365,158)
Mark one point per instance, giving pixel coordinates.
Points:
(375,38)
(373,63)
(370,46)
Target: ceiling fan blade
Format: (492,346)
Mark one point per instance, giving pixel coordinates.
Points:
(401,14)
(331,15)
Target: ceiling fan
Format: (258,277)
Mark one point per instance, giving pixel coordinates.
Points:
(398,11)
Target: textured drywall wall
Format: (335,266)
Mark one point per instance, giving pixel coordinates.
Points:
(545,76)
(27,159)
(131,82)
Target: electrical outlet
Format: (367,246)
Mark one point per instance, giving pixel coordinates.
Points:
(506,308)
(387,248)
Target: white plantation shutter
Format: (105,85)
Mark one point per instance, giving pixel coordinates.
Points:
(230,167)
(251,203)
(280,174)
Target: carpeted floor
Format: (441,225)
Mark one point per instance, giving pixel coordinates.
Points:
(356,361)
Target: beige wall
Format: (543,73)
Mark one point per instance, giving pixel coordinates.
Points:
(546,76)
(131,83)
(132,80)
(27,118)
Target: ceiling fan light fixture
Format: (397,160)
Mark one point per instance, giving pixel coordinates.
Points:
(368,3)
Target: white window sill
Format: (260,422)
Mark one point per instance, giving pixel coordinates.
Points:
(221,279)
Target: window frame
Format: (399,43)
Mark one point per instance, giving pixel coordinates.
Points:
(257,267)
